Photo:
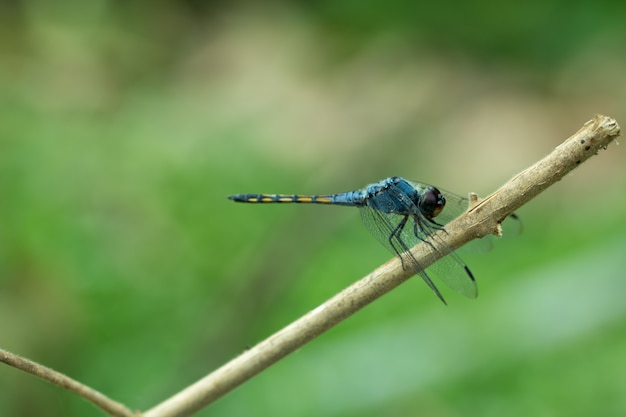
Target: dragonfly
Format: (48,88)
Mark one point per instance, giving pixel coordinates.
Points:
(400,213)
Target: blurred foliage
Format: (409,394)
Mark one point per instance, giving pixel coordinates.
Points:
(125,125)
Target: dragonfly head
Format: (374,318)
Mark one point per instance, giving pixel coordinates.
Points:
(432,203)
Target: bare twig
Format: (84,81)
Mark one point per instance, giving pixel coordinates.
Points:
(113,408)
(482,219)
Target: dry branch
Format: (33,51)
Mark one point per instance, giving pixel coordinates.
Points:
(480,220)
(111,407)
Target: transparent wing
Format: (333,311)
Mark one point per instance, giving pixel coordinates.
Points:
(385,227)
(456,205)
(451,269)
(382,226)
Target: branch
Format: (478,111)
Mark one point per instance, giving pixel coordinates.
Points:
(111,407)
(481,219)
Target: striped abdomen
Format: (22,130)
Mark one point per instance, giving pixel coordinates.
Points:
(353,198)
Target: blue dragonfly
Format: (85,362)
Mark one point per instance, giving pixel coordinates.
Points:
(399,213)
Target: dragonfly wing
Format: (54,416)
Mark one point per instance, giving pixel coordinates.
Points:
(457,205)
(453,272)
(450,269)
(382,220)
(382,226)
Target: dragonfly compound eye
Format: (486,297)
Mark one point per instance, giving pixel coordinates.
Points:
(432,203)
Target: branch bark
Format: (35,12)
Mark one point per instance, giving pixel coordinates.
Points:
(480,220)
(111,407)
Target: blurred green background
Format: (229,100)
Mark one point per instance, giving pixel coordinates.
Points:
(124,126)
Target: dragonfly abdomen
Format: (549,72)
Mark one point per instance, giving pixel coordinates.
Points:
(343,199)
(280,198)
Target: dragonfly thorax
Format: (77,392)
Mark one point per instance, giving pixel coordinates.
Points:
(396,195)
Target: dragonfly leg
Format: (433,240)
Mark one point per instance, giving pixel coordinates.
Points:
(397,232)
(395,240)
(436,225)
(418,225)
